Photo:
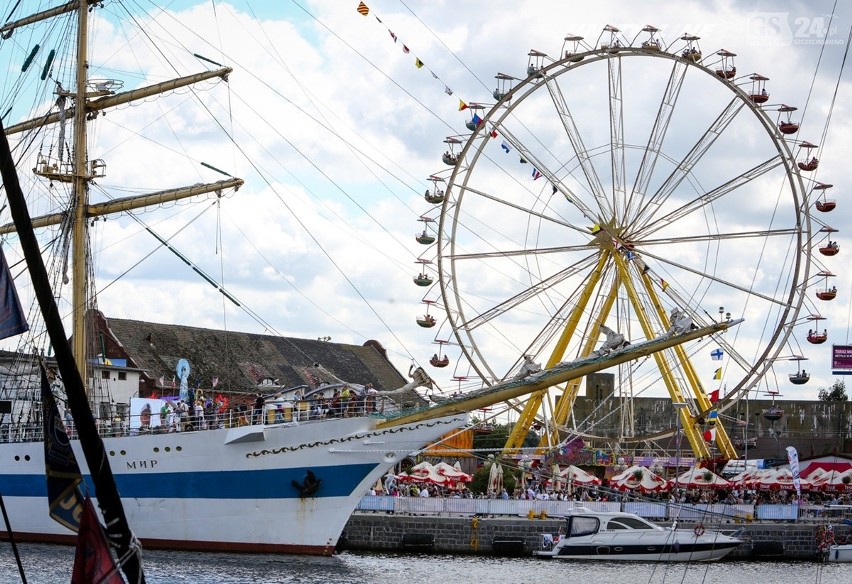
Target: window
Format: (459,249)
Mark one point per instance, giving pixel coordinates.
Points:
(105,374)
(635,523)
(584,526)
(122,375)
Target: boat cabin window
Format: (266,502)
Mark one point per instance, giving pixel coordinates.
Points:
(628,523)
(583,526)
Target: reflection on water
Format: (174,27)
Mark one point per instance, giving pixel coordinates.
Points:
(46,564)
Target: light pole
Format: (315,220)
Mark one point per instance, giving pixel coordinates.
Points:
(678,406)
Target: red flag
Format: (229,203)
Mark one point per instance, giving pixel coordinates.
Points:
(709,436)
(714,396)
(93,561)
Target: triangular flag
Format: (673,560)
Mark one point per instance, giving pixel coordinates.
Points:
(710,435)
(418,63)
(93,561)
(505,147)
(536,174)
(393,36)
(434,76)
(405,49)
(476,120)
(554,188)
(718,373)
(523,160)
(595,228)
(362,9)
(714,396)
(712,417)
(447,90)
(493,133)
(462,105)
(664,284)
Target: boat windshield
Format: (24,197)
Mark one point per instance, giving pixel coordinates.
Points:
(584,526)
(628,523)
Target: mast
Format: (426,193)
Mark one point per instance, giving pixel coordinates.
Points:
(80,197)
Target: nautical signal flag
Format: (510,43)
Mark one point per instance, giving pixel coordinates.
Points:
(536,174)
(93,561)
(718,373)
(714,396)
(476,120)
(12,319)
(712,417)
(717,354)
(710,435)
(505,147)
(363,9)
(418,63)
(462,105)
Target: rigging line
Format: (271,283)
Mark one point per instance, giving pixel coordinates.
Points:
(819,61)
(836,89)
(449,50)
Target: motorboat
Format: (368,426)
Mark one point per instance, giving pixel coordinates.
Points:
(594,535)
(839,553)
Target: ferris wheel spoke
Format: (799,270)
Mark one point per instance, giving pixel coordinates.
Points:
(707,198)
(717,279)
(658,133)
(549,175)
(693,157)
(520,252)
(616,133)
(530,292)
(760,234)
(524,209)
(583,157)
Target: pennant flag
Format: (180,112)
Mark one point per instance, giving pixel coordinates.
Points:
(93,561)
(554,189)
(710,435)
(476,120)
(714,396)
(718,373)
(523,160)
(12,319)
(448,91)
(630,255)
(536,174)
(173,381)
(716,354)
(493,133)
(393,36)
(418,63)
(595,228)
(405,49)
(162,380)
(505,147)
(664,284)
(462,105)
(363,9)
(793,460)
(64,500)
(434,76)
(712,417)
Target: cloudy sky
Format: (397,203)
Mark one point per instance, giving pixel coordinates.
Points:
(335,130)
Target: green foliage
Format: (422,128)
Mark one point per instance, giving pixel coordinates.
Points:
(496,439)
(835,393)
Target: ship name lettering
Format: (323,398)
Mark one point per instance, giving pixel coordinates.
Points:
(140,464)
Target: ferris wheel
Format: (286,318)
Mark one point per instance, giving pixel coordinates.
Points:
(620,188)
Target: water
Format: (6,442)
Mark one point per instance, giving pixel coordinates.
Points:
(47,564)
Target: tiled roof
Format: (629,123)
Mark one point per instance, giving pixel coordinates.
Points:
(242,360)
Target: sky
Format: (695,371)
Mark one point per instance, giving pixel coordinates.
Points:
(336,130)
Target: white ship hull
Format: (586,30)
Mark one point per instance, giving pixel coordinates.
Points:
(228,489)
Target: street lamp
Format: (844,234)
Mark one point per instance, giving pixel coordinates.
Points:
(678,406)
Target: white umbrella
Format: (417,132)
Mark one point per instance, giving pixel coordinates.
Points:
(697,478)
(495,478)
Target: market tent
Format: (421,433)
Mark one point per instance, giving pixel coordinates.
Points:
(578,477)
(638,478)
(833,481)
(452,472)
(700,478)
(445,475)
(782,480)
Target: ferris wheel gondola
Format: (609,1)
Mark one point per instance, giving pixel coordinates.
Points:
(786,125)
(758,92)
(726,68)
(823,204)
(450,156)
(427,320)
(692,51)
(440,359)
(806,164)
(572,48)
(504,85)
(800,377)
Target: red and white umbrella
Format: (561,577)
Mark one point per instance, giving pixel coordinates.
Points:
(700,478)
(577,476)
(782,480)
(639,478)
(452,472)
(833,481)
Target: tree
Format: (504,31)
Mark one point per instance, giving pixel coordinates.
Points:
(835,393)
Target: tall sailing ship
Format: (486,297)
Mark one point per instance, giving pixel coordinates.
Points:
(285,485)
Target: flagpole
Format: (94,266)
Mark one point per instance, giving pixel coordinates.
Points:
(12,540)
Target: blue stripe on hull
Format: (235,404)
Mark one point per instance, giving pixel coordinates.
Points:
(337,481)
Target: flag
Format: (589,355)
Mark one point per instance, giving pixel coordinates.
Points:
(215,381)
(93,561)
(664,284)
(476,120)
(718,373)
(434,76)
(714,396)
(418,63)
(716,354)
(522,160)
(363,9)
(393,36)
(405,49)
(12,319)
(448,91)
(710,435)
(64,500)
(712,417)
(462,105)
(536,174)
(162,380)
(793,459)
(630,255)
(493,133)
(505,147)
(595,228)
(173,381)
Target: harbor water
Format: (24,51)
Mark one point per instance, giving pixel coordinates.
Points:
(48,564)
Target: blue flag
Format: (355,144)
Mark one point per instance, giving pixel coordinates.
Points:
(64,499)
(716,354)
(12,319)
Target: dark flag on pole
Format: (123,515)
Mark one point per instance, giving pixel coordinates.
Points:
(93,561)
(12,319)
(63,474)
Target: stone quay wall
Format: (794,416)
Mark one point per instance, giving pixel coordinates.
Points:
(521,535)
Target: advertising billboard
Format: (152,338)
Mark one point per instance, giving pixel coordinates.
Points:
(841,359)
